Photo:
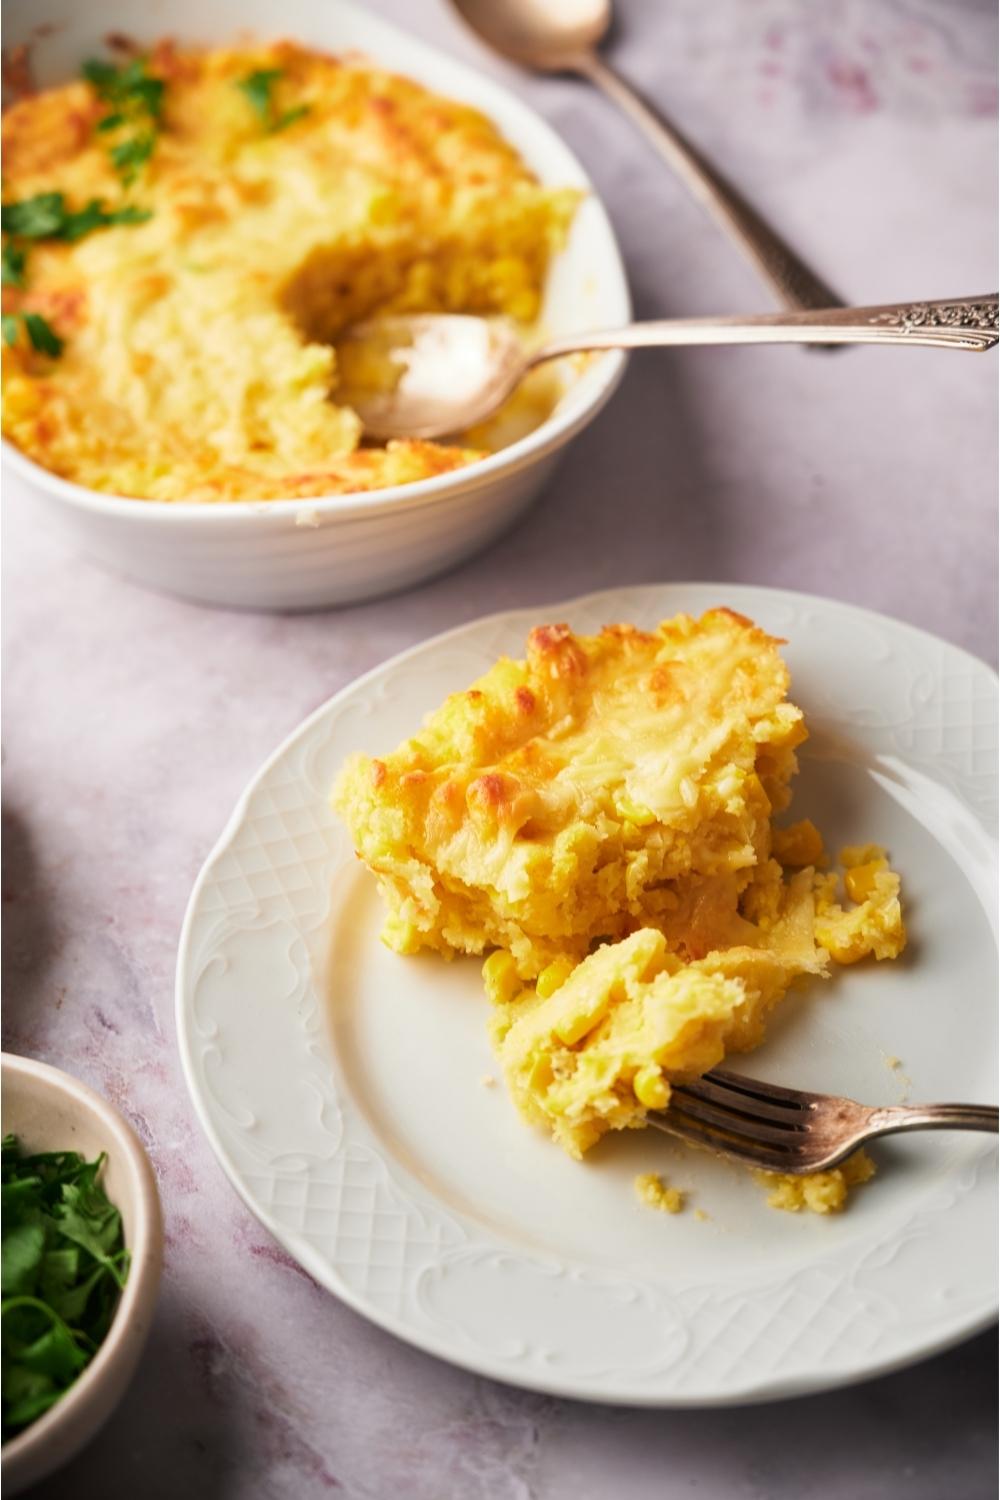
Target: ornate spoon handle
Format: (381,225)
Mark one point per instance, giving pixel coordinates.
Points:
(959,323)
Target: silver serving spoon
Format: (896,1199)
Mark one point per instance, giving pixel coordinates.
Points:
(432,374)
(562,36)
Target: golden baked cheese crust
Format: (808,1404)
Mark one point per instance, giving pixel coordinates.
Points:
(602,784)
(198,359)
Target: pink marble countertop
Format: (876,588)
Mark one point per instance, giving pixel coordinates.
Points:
(867,132)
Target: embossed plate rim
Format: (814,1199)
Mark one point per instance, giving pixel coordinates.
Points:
(615,1388)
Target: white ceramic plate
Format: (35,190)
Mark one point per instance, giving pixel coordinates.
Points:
(342,1086)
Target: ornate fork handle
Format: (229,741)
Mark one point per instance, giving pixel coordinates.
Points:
(959,323)
(892,1119)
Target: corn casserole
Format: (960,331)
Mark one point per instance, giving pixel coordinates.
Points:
(186,235)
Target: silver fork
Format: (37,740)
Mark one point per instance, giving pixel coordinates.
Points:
(787,1130)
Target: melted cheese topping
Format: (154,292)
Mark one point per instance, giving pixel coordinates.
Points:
(199,360)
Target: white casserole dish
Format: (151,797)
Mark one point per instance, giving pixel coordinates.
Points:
(295,554)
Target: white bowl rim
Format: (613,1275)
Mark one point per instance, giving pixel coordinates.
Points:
(145,1249)
(552,433)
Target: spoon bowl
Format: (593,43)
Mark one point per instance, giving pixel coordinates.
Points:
(548,35)
(428,375)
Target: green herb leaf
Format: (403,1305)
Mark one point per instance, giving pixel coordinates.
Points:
(289,118)
(64,1262)
(40,1341)
(130,156)
(36,218)
(8,330)
(46,216)
(129,89)
(87,1218)
(130,214)
(42,335)
(257,87)
(96,216)
(59,1271)
(137,86)
(135,99)
(27,1395)
(103,75)
(23,1247)
(13,266)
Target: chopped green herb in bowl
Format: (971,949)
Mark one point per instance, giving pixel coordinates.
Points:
(82,1251)
(64,1264)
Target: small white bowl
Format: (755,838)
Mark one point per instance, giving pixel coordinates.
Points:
(50,1111)
(304,554)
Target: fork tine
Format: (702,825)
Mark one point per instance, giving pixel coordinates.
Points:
(767,1093)
(710,1088)
(674,1122)
(740,1123)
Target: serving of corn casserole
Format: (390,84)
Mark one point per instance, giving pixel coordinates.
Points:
(600,816)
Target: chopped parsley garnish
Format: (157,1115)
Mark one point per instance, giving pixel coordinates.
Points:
(46,217)
(64,1263)
(13,266)
(259,90)
(131,89)
(135,101)
(37,218)
(289,117)
(129,156)
(42,335)
(96,216)
(257,87)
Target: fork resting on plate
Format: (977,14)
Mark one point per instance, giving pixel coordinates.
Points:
(787,1130)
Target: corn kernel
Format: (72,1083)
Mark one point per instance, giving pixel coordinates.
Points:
(634,812)
(861,854)
(553,977)
(651,1088)
(501,978)
(860,882)
(801,844)
(588,1012)
(401,936)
